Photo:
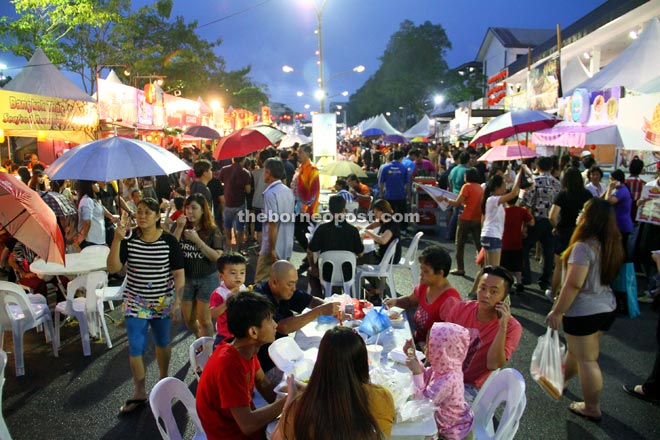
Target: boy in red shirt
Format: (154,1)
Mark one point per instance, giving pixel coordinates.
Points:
(224,394)
(231,271)
(516,221)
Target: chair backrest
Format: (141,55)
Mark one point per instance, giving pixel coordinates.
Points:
(508,387)
(12,294)
(385,264)
(161,398)
(412,249)
(199,352)
(96,248)
(337,259)
(89,282)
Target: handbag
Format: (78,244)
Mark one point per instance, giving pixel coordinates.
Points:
(375,321)
(626,282)
(546,367)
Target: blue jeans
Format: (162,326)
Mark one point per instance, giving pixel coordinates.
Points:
(453,223)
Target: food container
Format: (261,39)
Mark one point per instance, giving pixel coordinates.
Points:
(397,355)
(289,358)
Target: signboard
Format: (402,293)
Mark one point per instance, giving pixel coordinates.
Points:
(649,211)
(181,112)
(544,85)
(584,108)
(639,123)
(24,111)
(324,135)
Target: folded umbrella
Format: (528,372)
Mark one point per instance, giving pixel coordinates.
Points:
(29,219)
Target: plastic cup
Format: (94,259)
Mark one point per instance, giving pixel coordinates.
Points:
(375,352)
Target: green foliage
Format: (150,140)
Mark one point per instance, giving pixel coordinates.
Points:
(460,88)
(411,70)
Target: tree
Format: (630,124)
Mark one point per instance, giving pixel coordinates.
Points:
(412,68)
(463,87)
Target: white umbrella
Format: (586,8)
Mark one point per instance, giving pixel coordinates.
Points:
(290,139)
(115,158)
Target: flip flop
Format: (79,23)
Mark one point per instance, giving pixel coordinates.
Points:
(576,408)
(632,390)
(132,405)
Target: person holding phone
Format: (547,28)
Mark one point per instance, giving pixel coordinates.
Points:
(494,333)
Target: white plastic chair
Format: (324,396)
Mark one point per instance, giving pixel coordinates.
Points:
(161,398)
(88,310)
(409,261)
(504,386)
(4,432)
(19,314)
(336,259)
(199,352)
(110,294)
(96,248)
(382,270)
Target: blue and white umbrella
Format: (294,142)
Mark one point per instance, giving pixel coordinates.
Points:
(115,158)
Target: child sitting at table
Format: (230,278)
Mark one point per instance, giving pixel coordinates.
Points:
(442,382)
(231,271)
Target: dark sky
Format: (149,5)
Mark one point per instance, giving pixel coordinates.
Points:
(267,34)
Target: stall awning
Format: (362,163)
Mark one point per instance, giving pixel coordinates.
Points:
(577,135)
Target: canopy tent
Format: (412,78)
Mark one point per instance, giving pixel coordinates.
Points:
(652,86)
(41,77)
(634,67)
(424,128)
(41,101)
(574,74)
(380,122)
(113,78)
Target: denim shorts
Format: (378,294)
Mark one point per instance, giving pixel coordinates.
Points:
(137,329)
(231,216)
(491,244)
(200,288)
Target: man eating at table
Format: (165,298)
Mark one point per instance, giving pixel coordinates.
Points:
(289,304)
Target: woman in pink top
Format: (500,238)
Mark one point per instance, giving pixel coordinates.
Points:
(434,297)
(442,382)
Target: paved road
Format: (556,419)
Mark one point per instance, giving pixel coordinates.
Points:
(73,397)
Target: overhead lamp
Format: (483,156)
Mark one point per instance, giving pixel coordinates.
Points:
(319,94)
(388,114)
(438,99)
(339,107)
(344,93)
(299,93)
(633,34)
(586,55)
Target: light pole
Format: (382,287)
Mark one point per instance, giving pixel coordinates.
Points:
(319,34)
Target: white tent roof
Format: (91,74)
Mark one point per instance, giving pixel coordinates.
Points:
(652,86)
(634,67)
(573,74)
(113,78)
(41,77)
(380,122)
(424,128)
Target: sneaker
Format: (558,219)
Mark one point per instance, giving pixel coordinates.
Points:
(645,299)
(549,296)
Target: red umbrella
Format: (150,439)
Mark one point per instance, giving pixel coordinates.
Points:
(508,124)
(245,141)
(29,219)
(507,152)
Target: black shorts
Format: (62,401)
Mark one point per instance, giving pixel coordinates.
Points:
(588,325)
(511,260)
(562,239)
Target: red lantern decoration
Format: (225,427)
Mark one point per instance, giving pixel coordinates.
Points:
(592,147)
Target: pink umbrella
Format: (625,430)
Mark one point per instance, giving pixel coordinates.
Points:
(511,123)
(507,152)
(29,219)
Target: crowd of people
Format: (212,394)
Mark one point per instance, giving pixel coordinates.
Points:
(185,244)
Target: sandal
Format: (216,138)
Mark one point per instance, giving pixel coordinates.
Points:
(457,272)
(132,405)
(638,391)
(577,408)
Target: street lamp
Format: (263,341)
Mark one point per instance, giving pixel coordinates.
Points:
(438,99)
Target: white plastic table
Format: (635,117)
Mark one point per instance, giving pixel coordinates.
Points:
(310,336)
(75,264)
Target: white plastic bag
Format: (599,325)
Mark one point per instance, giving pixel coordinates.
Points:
(547,364)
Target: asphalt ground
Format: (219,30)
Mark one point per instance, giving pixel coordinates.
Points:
(77,397)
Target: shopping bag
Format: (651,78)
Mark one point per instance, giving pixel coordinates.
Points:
(479,261)
(546,366)
(626,282)
(375,321)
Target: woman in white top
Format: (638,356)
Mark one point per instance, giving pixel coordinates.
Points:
(495,196)
(91,214)
(595,175)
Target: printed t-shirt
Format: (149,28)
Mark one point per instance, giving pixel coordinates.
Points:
(219,297)
(437,311)
(227,382)
(149,289)
(482,334)
(395,176)
(514,217)
(570,205)
(195,262)
(473,193)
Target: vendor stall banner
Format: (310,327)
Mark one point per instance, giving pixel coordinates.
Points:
(544,85)
(595,109)
(639,123)
(181,112)
(117,102)
(324,135)
(649,211)
(23,111)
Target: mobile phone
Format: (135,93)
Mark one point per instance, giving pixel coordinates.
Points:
(507,301)
(349,309)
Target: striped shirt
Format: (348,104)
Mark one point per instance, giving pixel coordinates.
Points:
(149,289)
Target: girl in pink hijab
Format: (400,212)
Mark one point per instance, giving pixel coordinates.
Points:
(442,382)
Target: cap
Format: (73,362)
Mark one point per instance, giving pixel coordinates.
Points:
(585,153)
